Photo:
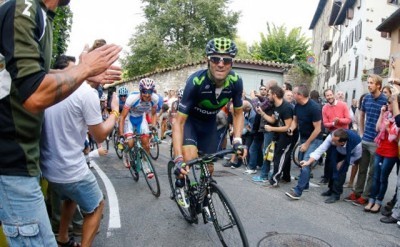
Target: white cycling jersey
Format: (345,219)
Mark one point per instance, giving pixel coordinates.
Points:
(137,107)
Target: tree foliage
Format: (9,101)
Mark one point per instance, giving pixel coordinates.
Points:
(61,31)
(281,46)
(176,32)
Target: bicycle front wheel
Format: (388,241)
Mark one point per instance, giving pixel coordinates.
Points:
(226,221)
(116,141)
(133,169)
(150,174)
(154,148)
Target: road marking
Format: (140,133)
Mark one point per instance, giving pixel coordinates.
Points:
(114,219)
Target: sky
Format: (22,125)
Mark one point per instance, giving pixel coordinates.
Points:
(116,21)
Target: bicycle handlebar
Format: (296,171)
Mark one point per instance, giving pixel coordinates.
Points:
(219,154)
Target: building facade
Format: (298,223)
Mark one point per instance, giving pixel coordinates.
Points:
(349,47)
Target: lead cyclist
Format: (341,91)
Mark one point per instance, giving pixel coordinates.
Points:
(206,92)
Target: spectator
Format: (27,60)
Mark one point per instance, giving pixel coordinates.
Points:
(370,111)
(335,115)
(282,119)
(354,167)
(24,97)
(347,151)
(392,211)
(307,118)
(340,96)
(386,156)
(63,162)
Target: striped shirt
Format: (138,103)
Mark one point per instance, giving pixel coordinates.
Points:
(372,108)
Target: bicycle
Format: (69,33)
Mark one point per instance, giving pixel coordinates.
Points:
(140,160)
(205,196)
(297,156)
(154,143)
(115,139)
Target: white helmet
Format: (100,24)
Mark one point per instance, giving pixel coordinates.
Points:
(146,83)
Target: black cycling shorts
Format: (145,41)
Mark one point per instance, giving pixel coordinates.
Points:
(202,134)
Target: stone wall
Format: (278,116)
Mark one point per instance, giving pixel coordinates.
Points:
(171,79)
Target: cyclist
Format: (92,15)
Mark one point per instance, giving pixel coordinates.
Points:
(133,117)
(122,94)
(205,93)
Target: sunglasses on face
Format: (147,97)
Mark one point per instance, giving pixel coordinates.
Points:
(217,60)
(122,96)
(147,91)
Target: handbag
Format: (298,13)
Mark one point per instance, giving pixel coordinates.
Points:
(269,152)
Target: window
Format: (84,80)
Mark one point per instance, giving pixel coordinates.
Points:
(356,67)
(353,94)
(348,75)
(351,38)
(358,31)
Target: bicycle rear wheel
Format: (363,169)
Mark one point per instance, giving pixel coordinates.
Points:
(154,147)
(226,221)
(189,214)
(298,156)
(150,174)
(116,141)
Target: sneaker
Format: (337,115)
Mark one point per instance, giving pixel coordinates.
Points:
(305,190)
(331,199)
(147,171)
(292,195)
(351,198)
(389,220)
(249,171)
(125,159)
(259,179)
(181,198)
(360,202)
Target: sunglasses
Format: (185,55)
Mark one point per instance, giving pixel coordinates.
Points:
(217,60)
(147,91)
(123,96)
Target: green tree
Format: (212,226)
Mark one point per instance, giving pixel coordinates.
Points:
(61,31)
(176,32)
(281,46)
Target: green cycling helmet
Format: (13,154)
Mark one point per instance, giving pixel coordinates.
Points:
(221,46)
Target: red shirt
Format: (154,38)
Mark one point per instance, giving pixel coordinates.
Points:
(387,148)
(330,112)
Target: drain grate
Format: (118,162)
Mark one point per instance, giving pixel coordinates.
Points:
(223,174)
(287,239)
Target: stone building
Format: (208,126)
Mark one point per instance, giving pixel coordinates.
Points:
(251,71)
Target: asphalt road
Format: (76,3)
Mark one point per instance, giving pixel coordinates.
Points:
(269,217)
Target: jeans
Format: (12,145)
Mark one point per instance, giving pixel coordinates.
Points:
(382,168)
(23,212)
(304,177)
(364,180)
(266,167)
(255,152)
(56,202)
(86,192)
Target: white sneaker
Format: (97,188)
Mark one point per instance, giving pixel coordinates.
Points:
(249,171)
(125,159)
(147,170)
